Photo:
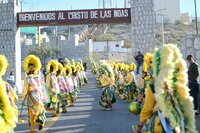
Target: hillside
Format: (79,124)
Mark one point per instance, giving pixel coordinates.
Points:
(173,32)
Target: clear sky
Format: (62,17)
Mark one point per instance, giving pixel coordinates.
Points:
(34,5)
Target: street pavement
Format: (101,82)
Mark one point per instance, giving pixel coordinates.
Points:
(88,117)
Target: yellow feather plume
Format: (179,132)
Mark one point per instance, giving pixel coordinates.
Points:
(9,120)
(147,61)
(132,67)
(73,68)
(60,67)
(3,65)
(54,64)
(78,68)
(32,59)
(68,69)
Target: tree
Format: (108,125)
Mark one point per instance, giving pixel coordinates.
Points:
(45,52)
(107,37)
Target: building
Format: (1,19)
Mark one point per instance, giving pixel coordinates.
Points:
(185,19)
(170,9)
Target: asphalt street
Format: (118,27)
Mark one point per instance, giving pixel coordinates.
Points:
(88,117)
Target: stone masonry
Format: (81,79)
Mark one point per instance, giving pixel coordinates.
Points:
(10,38)
(191,45)
(143,22)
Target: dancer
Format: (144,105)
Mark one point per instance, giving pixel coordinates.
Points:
(107,82)
(130,85)
(8,109)
(121,81)
(63,89)
(52,85)
(75,81)
(168,106)
(70,84)
(32,92)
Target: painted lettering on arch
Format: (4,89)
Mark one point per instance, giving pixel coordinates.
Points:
(74,17)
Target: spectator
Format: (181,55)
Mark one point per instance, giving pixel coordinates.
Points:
(44,73)
(139,59)
(11,80)
(85,66)
(193,74)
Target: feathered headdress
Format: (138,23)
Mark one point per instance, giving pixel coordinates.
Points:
(171,91)
(132,67)
(34,60)
(78,68)
(54,64)
(67,61)
(73,62)
(80,61)
(60,67)
(3,65)
(67,69)
(73,68)
(108,70)
(147,61)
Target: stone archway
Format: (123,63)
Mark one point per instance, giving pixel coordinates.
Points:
(10,38)
(142,27)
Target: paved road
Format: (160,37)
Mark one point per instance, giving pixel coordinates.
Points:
(88,117)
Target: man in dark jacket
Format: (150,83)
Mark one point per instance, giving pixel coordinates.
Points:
(139,59)
(193,74)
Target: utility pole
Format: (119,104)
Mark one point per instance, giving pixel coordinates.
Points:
(162,21)
(38,31)
(21,4)
(163,35)
(196,21)
(56,42)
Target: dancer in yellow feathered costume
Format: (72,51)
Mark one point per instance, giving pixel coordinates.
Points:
(70,84)
(130,86)
(52,85)
(168,106)
(8,109)
(121,81)
(107,81)
(63,88)
(33,93)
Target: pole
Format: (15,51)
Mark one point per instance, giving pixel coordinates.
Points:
(163,35)
(21,5)
(195,7)
(56,41)
(38,29)
(107,50)
(124,3)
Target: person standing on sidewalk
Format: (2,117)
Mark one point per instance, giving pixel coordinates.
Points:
(139,59)
(193,74)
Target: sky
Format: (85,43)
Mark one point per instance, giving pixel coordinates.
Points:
(41,5)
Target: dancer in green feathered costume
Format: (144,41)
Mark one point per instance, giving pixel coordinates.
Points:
(107,81)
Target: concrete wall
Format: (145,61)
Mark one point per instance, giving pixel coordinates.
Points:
(114,56)
(10,38)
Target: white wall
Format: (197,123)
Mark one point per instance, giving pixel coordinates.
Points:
(102,45)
